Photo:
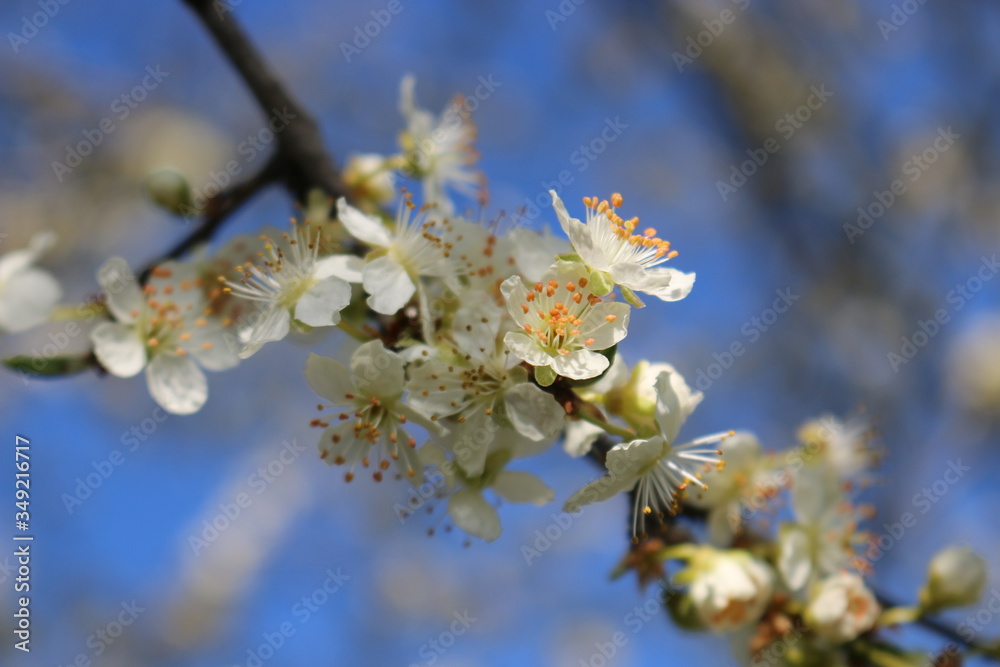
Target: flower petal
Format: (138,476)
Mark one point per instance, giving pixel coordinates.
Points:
(663,283)
(470,512)
(266,325)
(320,306)
(376,371)
(389,285)
(27,300)
(176,383)
(580,235)
(627,460)
(579,364)
(124,298)
(533,412)
(345,267)
(118,348)
(604,332)
(329,378)
(674,402)
(794,562)
(526,348)
(580,436)
(596,492)
(363,227)
(522,487)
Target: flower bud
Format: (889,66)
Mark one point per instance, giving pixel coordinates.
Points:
(841,607)
(370,177)
(169,190)
(729,589)
(956,578)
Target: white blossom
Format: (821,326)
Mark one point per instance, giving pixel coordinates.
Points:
(475,379)
(368,411)
(841,607)
(657,468)
(824,536)
(27,294)
(392,276)
(467,504)
(611,245)
(163,329)
(290,284)
(440,150)
(743,483)
(730,589)
(562,324)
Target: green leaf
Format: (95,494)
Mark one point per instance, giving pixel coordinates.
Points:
(49,366)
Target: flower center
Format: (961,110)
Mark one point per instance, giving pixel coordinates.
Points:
(618,235)
(557,313)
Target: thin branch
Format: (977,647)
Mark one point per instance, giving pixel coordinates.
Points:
(217,211)
(306,163)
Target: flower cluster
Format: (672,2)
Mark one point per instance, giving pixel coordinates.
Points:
(476,349)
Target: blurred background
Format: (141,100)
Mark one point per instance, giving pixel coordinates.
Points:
(841,153)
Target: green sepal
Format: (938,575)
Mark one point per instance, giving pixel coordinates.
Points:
(50,366)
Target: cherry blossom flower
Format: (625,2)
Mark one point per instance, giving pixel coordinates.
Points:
(824,536)
(562,324)
(292,284)
(611,246)
(415,249)
(475,379)
(656,468)
(440,151)
(368,411)
(163,329)
(729,589)
(467,505)
(841,607)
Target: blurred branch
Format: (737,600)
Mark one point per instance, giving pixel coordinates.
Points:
(217,211)
(305,163)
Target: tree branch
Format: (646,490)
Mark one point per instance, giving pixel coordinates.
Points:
(305,162)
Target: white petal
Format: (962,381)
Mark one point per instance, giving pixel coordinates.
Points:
(19,260)
(665,284)
(27,300)
(674,402)
(214,349)
(580,235)
(329,378)
(605,333)
(522,487)
(475,327)
(470,512)
(123,293)
(626,460)
(366,228)
(580,436)
(118,348)
(514,294)
(389,285)
(596,492)
(533,412)
(437,402)
(579,364)
(346,267)
(176,383)
(320,306)
(526,348)
(794,562)
(376,371)
(267,324)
